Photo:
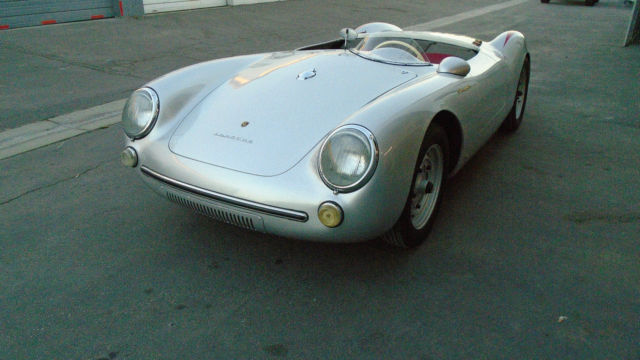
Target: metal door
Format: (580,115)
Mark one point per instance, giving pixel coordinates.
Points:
(19,13)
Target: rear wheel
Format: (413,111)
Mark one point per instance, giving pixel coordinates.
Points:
(425,195)
(514,119)
(544,1)
(589,2)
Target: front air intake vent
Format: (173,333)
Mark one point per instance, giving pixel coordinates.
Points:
(219,214)
(218,198)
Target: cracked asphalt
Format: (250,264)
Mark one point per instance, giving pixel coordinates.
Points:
(534,255)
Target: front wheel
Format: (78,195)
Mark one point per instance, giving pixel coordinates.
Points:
(425,195)
(514,119)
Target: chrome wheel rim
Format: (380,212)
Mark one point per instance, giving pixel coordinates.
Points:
(521,92)
(427,185)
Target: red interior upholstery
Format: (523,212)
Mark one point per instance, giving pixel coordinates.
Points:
(435,58)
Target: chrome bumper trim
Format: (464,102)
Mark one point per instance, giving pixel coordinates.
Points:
(267,209)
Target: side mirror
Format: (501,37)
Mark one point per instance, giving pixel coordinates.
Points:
(348,34)
(455,66)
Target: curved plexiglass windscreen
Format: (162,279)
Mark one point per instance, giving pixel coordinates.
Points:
(390,49)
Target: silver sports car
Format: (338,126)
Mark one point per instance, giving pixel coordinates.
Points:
(340,141)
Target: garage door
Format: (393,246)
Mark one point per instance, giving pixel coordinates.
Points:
(154,6)
(19,13)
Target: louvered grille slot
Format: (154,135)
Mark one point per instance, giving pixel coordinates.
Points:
(213,200)
(216,213)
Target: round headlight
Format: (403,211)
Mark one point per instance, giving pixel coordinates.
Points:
(140,113)
(348,158)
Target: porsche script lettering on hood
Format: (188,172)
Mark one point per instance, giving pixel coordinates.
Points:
(277,106)
(236,138)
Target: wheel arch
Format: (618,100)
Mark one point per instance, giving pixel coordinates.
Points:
(451,125)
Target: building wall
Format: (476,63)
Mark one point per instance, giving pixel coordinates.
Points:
(155,6)
(21,13)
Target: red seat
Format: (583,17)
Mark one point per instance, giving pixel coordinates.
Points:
(435,58)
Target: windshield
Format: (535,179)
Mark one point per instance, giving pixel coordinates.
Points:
(390,49)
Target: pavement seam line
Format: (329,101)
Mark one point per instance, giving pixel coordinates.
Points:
(60,59)
(46,186)
(96,118)
(465,15)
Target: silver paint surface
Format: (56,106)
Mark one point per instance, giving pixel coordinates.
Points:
(198,138)
(288,117)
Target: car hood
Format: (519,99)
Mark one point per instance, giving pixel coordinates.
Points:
(268,116)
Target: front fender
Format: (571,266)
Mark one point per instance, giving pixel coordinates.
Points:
(181,90)
(399,121)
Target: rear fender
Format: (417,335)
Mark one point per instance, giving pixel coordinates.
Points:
(512,45)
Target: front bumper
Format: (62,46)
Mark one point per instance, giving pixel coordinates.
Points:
(254,216)
(243,213)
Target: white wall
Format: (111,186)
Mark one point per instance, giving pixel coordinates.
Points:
(155,6)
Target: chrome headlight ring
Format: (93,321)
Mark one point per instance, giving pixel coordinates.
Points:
(140,113)
(348,158)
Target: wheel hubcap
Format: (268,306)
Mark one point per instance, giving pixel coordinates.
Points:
(427,184)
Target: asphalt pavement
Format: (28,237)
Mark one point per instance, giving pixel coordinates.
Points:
(534,255)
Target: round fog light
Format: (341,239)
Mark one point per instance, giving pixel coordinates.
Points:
(330,214)
(129,157)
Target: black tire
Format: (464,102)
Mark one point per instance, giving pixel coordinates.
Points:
(405,233)
(544,1)
(512,122)
(589,2)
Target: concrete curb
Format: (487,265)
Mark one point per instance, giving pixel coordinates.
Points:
(42,133)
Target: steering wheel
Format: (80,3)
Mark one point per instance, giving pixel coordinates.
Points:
(409,48)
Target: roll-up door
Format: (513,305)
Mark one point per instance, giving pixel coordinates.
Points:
(153,6)
(19,13)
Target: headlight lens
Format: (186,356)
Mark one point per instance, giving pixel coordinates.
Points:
(348,158)
(140,113)
(330,214)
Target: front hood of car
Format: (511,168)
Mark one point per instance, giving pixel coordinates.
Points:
(268,116)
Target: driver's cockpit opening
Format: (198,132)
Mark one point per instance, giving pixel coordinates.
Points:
(397,48)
